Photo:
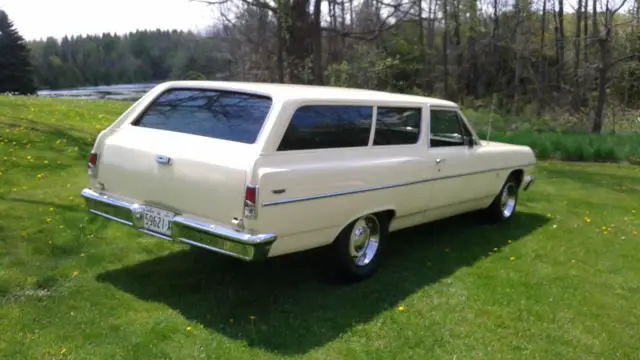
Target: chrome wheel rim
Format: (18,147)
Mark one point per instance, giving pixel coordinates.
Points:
(364,240)
(508,199)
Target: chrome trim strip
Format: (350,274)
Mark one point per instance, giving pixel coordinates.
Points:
(383,187)
(226,233)
(125,222)
(161,236)
(221,251)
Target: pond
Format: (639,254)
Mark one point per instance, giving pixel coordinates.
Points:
(125,92)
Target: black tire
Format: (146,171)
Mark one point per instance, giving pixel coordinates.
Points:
(499,210)
(344,267)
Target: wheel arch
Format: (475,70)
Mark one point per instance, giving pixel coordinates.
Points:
(389,212)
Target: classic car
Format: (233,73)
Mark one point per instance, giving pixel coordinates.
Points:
(258,170)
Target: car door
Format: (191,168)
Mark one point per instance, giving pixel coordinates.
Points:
(456,173)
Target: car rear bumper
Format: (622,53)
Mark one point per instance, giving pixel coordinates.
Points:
(527,182)
(224,240)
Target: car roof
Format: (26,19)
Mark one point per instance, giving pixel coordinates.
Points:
(298,91)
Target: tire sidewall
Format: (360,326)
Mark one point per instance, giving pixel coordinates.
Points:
(346,268)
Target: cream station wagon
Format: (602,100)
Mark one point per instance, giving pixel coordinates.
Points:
(256,170)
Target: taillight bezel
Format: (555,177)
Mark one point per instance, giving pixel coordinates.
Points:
(250,203)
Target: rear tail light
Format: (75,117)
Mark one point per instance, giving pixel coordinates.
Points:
(93,161)
(250,201)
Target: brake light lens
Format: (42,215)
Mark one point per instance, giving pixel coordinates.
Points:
(250,201)
(93,161)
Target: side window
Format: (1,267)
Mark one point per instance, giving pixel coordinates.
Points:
(397,126)
(328,126)
(446,129)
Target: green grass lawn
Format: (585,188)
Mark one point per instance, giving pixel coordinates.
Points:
(559,281)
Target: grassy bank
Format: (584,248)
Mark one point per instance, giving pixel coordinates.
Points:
(559,281)
(576,147)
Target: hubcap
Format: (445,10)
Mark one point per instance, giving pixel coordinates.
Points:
(364,240)
(508,200)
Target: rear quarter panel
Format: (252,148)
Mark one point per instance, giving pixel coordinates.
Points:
(302,194)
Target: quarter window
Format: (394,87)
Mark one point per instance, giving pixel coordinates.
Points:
(397,126)
(446,129)
(328,126)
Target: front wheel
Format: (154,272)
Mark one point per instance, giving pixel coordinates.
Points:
(357,250)
(504,204)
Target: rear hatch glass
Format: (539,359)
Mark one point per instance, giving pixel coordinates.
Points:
(224,115)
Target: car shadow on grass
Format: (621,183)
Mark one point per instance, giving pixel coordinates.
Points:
(285,305)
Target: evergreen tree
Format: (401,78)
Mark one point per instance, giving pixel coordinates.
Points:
(16,72)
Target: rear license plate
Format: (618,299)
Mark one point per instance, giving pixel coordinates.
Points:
(157,220)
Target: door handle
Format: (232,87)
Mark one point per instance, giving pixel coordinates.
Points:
(440,161)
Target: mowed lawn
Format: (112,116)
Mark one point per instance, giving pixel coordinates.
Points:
(559,281)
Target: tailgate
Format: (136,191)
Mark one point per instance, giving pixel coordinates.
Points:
(189,153)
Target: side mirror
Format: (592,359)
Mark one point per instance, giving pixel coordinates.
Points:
(469,141)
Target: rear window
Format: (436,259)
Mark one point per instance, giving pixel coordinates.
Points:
(216,114)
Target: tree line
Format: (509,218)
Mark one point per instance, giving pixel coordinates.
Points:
(519,56)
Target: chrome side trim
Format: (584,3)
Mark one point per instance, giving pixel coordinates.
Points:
(384,187)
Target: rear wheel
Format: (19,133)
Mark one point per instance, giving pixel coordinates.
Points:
(357,250)
(504,204)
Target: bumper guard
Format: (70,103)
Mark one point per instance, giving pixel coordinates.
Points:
(528,181)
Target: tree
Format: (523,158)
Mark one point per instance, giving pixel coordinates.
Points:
(16,71)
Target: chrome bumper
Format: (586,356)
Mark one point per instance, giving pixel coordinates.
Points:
(527,182)
(248,247)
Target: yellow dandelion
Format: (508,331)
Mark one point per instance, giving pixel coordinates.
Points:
(81,254)
(635,233)
(61,226)
(510,241)
(605,232)
(46,161)
(48,220)
(252,317)
(75,273)
(495,249)
(604,228)
(62,351)
(400,308)
(587,219)
(189,328)
(512,258)
(50,209)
